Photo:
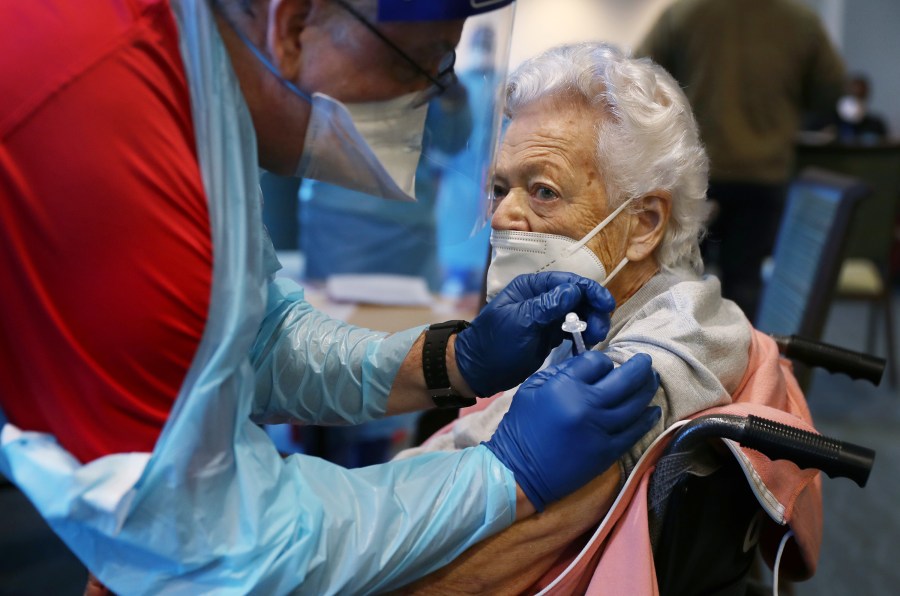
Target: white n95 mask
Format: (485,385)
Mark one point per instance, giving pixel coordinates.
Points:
(515,253)
(851,109)
(371,147)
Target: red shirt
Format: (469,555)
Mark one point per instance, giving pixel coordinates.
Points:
(106,255)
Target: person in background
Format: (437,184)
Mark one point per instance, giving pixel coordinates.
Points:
(751,70)
(463,259)
(853,120)
(145,338)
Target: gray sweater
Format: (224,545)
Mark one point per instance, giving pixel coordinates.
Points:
(699,343)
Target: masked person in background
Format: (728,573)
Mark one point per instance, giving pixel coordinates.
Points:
(854,121)
(752,71)
(601,173)
(144,339)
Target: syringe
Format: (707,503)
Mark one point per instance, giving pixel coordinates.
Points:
(575,326)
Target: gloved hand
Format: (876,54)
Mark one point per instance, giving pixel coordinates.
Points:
(568,423)
(515,332)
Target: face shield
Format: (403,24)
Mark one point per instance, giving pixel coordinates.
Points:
(435,137)
(434,144)
(463,127)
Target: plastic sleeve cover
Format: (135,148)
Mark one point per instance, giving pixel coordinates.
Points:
(314,369)
(249,521)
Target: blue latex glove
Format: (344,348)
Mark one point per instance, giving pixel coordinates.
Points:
(515,332)
(568,423)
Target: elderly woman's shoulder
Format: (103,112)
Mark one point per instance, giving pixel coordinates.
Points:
(689,320)
(703,296)
(684,302)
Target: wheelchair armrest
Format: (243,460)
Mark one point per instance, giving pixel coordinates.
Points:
(780,441)
(856,365)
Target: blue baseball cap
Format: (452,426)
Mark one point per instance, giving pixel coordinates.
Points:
(435,10)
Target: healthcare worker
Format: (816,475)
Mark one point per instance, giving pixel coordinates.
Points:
(143,337)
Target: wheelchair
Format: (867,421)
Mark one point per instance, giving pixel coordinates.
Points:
(700,490)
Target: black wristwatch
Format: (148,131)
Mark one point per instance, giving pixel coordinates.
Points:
(434,365)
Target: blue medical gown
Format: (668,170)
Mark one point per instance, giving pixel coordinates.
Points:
(343,231)
(214,507)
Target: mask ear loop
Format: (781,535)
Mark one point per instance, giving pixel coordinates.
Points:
(577,246)
(615,271)
(264,60)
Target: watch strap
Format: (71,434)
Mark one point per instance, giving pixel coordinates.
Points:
(434,365)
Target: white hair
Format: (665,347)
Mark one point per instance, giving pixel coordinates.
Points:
(647,139)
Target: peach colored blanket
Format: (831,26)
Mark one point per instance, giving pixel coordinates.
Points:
(618,559)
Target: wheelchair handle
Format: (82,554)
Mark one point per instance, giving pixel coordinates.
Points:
(809,450)
(832,358)
(780,441)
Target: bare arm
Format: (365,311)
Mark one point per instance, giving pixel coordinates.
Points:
(409,393)
(514,559)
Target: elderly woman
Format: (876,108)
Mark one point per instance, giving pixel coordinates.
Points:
(602,173)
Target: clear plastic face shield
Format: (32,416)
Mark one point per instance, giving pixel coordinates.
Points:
(436,136)
(437,143)
(442,134)
(462,129)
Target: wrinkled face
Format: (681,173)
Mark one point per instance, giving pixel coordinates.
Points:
(547,181)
